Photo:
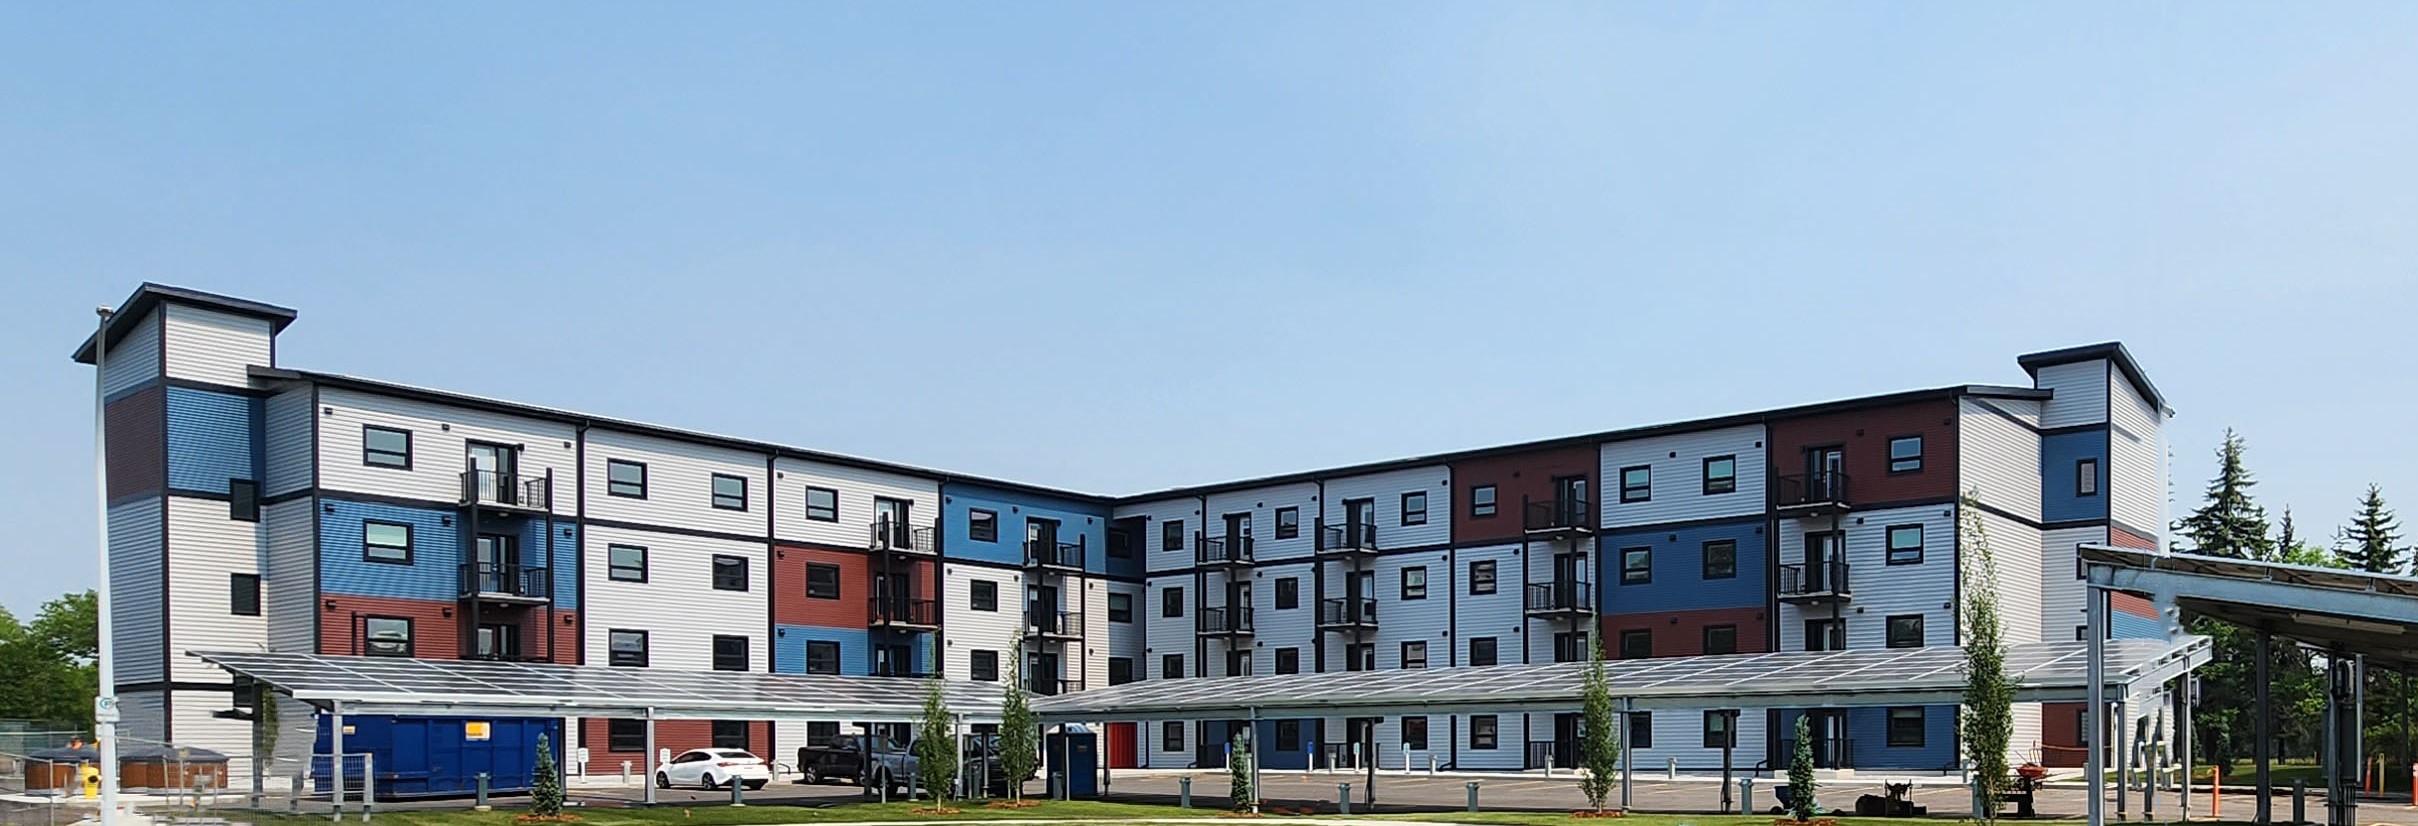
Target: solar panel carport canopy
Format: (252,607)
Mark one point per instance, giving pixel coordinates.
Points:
(2051,672)
(396,685)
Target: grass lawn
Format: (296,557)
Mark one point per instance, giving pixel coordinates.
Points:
(768,815)
(2243,774)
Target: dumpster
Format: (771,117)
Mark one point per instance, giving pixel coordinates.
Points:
(152,766)
(56,768)
(437,756)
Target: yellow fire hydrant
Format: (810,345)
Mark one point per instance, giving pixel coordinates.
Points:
(88,776)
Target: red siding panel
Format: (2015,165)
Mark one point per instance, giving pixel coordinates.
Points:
(675,736)
(2121,538)
(2060,729)
(1516,478)
(1866,434)
(1681,633)
(434,635)
(791,606)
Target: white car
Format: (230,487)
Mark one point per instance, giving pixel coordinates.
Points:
(713,769)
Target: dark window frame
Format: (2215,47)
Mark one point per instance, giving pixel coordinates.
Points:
(1711,572)
(1171,535)
(981,591)
(1414,723)
(1485,732)
(617,487)
(1493,647)
(410,543)
(1171,736)
(1171,603)
(1729,482)
(730,734)
(1171,666)
(1120,670)
(1637,493)
(1708,640)
(1407,647)
(1120,544)
(243,500)
(1890,546)
(982,525)
(1890,725)
(725,562)
(829,513)
(2086,477)
(1832,631)
(719,499)
(1288,523)
(1646,634)
(613,569)
(744,651)
(1407,514)
(1407,593)
(1640,727)
(370,643)
(820,652)
(623,736)
(622,659)
(370,455)
(243,595)
(828,589)
(1113,599)
(977,670)
(1288,735)
(1899,465)
(1288,660)
(1637,575)
(1890,637)
(1488,580)
(1288,593)
(1482,502)
(1723,735)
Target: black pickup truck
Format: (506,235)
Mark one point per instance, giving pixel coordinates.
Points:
(874,762)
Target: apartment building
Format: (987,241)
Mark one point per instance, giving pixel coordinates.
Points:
(256,506)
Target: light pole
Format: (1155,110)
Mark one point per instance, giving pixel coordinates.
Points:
(104,704)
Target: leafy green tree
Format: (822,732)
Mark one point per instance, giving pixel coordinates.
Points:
(1989,706)
(1599,744)
(47,670)
(546,783)
(936,744)
(1801,785)
(1019,730)
(1238,773)
(2372,541)
(2229,524)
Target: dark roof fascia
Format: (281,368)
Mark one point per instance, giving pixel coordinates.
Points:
(148,297)
(2111,350)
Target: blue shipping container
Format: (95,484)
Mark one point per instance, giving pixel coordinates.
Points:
(435,756)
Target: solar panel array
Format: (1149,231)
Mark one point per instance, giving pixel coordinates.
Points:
(2253,570)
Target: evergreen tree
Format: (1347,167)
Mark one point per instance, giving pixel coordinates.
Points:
(2229,524)
(936,745)
(1239,793)
(2371,542)
(1019,730)
(1801,774)
(1599,745)
(1988,716)
(545,783)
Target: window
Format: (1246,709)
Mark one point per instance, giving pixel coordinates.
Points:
(822,581)
(983,595)
(1721,559)
(1482,732)
(625,563)
(1906,631)
(1360,656)
(1636,566)
(628,648)
(1288,523)
(1717,731)
(1641,730)
(625,736)
(1414,733)
(243,500)
(822,657)
(1637,483)
(625,478)
(1569,646)
(1906,454)
(730,653)
(1481,577)
(985,665)
(385,447)
(1171,535)
(1120,607)
(1171,736)
(1120,544)
(243,595)
(1481,651)
(1414,508)
(1414,654)
(1171,602)
(1414,582)
(730,492)
(1906,727)
(730,734)
(1288,735)
(1120,670)
(1720,639)
(730,573)
(1826,635)
(1637,644)
(1905,544)
(1288,661)
(822,733)
(1720,474)
(1288,593)
(1171,666)
(387,542)
(982,525)
(822,505)
(386,637)
(1481,502)
(2086,477)
(1238,663)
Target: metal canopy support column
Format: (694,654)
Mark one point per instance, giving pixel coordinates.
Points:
(2340,765)
(335,761)
(647,760)
(2263,721)
(1254,741)
(2124,757)
(1628,717)
(2096,656)
(2183,742)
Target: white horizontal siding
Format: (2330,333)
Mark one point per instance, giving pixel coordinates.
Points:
(1496,615)
(1400,620)
(1157,556)
(968,630)
(1262,504)
(288,438)
(1095,644)
(2080,393)
(1511,740)
(857,488)
(136,603)
(1157,757)
(135,359)
(2136,477)
(677,606)
(2024,745)
(2062,607)
(1296,627)
(194,725)
(1678,476)
(1168,635)
(289,587)
(440,438)
(143,715)
(1128,640)
(1882,590)
(1679,737)
(2015,547)
(1387,489)
(214,347)
(204,547)
(679,483)
(1999,460)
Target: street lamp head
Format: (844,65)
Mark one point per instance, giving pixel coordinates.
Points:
(102,311)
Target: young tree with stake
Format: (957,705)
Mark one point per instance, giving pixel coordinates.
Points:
(1599,745)
(1988,714)
(1019,730)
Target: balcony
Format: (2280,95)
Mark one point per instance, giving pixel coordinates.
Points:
(1052,686)
(1559,518)
(511,492)
(1224,552)
(899,537)
(1057,556)
(1810,494)
(1347,614)
(1819,582)
(1053,624)
(904,613)
(1224,622)
(1566,599)
(1828,752)
(1347,539)
(505,584)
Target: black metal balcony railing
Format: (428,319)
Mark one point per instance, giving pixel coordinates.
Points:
(1225,621)
(487,579)
(1563,597)
(1224,550)
(1557,515)
(1045,554)
(1828,752)
(493,488)
(896,610)
(1559,754)
(1802,581)
(885,535)
(1347,538)
(1346,612)
(1049,622)
(889,670)
(1051,686)
(1815,492)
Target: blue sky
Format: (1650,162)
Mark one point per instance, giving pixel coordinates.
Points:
(1123,246)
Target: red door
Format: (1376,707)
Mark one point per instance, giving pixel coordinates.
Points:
(1122,753)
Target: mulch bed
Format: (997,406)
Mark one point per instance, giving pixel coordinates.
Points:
(1584,813)
(564,818)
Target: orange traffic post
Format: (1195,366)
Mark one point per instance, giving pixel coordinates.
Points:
(2216,792)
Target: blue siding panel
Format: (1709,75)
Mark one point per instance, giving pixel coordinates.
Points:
(2058,454)
(436,552)
(1076,522)
(2124,626)
(212,437)
(565,563)
(1678,582)
(1869,728)
(789,648)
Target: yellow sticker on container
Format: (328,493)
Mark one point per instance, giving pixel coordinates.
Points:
(474,730)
